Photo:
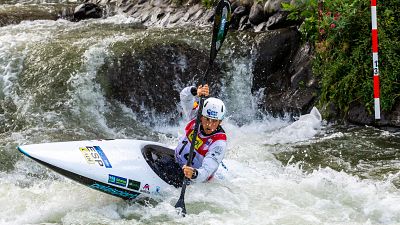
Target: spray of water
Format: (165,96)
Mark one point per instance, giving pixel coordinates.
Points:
(256,188)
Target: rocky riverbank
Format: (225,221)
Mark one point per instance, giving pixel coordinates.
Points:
(281,65)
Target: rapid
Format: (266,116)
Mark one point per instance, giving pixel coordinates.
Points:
(279,171)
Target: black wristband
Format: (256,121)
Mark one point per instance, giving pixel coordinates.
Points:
(193,90)
(195,173)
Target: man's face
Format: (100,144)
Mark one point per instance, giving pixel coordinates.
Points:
(209,125)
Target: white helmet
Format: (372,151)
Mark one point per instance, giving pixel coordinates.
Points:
(213,108)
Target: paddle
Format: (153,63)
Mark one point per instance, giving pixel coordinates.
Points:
(220,29)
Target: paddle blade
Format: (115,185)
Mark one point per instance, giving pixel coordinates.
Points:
(221,25)
(180,204)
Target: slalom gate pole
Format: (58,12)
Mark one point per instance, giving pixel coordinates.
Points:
(377,105)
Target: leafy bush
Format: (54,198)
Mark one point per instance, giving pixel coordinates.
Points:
(208,3)
(340,31)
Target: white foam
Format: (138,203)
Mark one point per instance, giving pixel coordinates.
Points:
(306,127)
(256,189)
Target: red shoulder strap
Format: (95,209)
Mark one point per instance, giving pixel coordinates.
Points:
(219,136)
(214,138)
(190,126)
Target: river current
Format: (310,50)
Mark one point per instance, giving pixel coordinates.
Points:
(279,171)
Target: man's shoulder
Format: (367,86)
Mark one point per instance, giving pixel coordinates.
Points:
(219,136)
(190,124)
(220,133)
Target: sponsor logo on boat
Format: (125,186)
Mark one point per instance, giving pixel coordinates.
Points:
(133,184)
(112,179)
(114,191)
(95,155)
(145,189)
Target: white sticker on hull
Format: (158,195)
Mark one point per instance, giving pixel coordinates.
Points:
(95,155)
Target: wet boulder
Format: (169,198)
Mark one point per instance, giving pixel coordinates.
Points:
(282,70)
(274,53)
(149,78)
(87,11)
(237,15)
(359,114)
(256,15)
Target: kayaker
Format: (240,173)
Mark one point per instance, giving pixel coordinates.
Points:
(211,139)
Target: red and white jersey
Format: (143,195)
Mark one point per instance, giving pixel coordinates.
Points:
(209,150)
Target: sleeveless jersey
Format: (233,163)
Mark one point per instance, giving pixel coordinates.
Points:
(209,150)
(202,145)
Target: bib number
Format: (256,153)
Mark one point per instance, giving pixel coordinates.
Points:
(186,156)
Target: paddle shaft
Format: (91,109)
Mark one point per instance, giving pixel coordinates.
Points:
(197,123)
(220,28)
(181,201)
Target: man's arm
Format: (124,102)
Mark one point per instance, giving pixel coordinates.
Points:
(211,161)
(187,97)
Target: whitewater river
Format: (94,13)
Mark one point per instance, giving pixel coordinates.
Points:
(279,171)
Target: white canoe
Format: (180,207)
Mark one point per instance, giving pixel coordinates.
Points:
(121,167)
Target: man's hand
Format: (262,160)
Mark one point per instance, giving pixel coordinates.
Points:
(203,90)
(189,172)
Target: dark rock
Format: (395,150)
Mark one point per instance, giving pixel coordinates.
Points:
(301,69)
(274,52)
(210,16)
(244,23)
(271,7)
(260,27)
(165,19)
(239,12)
(330,112)
(87,11)
(160,15)
(357,114)
(256,15)
(147,79)
(279,20)
(235,4)
(282,69)
(247,3)
(297,78)
(394,116)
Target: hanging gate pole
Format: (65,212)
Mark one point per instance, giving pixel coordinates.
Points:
(377,106)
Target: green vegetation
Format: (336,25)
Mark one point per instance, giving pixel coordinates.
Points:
(340,31)
(208,3)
